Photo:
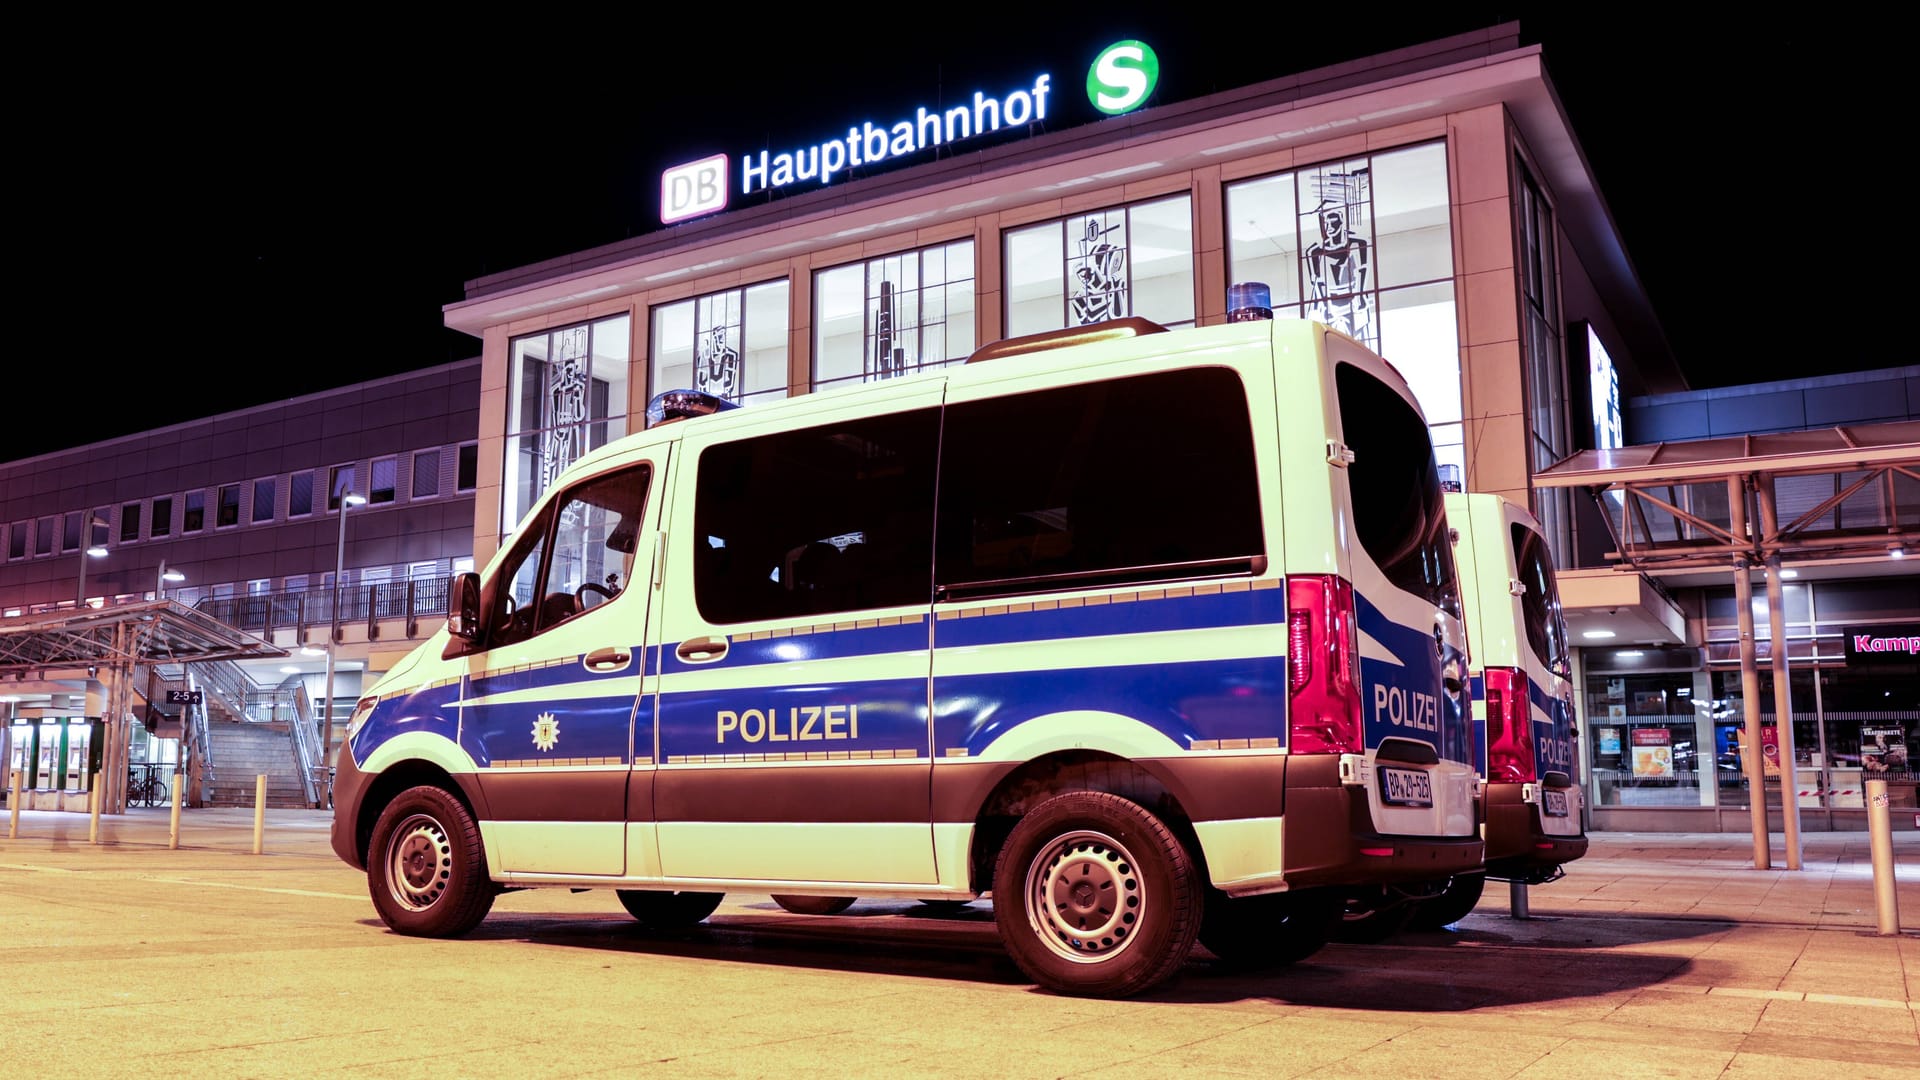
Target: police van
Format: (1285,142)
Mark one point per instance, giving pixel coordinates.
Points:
(1151,636)
(1521,671)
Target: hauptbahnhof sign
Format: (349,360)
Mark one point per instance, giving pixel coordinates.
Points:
(1121,79)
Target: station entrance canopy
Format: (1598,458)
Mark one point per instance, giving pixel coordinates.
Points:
(109,643)
(1806,497)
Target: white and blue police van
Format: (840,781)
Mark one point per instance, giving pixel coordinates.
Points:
(1151,637)
(1520,668)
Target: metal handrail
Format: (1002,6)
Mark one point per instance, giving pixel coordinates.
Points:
(306,745)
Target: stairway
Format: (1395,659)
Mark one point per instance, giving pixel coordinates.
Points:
(243,751)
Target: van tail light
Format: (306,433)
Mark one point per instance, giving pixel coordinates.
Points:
(1323,661)
(1509,728)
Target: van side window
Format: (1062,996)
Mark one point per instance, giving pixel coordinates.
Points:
(576,556)
(1134,479)
(812,522)
(1540,604)
(1399,513)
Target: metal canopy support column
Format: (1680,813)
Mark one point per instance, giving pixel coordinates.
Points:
(1749,680)
(1782,688)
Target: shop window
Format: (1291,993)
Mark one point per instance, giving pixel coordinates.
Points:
(385,479)
(426,474)
(1130,260)
(263,496)
(730,344)
(228,513)
(162,516)
(893,315)
(1649,745)
(129,523)
(567,392)
(300,494)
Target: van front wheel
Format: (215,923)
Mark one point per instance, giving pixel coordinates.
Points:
(427,869)
(1101,899)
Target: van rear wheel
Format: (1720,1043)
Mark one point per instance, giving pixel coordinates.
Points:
(657,910)
(815,905)
(1462,894)
(1254,933)
(1095,896)
(426,866)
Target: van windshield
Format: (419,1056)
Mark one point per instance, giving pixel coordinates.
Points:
(1399,513)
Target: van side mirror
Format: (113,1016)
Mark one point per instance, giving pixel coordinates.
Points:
(463,606)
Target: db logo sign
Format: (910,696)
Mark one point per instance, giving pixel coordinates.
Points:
(698,187)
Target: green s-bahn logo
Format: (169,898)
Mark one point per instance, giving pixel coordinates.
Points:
(1123,77)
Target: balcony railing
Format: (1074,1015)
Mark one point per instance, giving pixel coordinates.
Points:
(300,610)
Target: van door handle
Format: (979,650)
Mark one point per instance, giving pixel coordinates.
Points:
(607,659)
(702,650)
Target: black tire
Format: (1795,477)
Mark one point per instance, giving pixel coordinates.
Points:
(658,910)
(815,905)
(1462,894)
(426,867)
(1094,896)
(1255,933)
(1368,923)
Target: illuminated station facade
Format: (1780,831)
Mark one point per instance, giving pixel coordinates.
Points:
(1432,202)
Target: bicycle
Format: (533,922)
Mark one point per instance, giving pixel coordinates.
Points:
(146,790)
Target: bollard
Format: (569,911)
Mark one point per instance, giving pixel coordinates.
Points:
(1517,900)
(1886,902)
(13,805)
(173,825)
(93,810)
(259,812)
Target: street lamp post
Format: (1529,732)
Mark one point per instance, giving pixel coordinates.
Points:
(166,575)
(333,628)
(90,550)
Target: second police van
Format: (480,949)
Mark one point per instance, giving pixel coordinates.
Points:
(1151,636)
(1521,670)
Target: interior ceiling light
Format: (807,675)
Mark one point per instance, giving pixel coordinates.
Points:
(1596,635)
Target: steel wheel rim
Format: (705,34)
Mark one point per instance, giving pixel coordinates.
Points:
(1084,896)
(419,863)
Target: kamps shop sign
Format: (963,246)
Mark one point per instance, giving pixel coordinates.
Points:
(1121,79)
(1898,643)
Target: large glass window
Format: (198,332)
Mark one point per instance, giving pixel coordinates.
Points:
(1365,246)
(17,540)
(467,469)
(426,474)
(893,315)
(1658,739)
(1548,441)
(129,522)
(263,498)
(1128,260)
(228,512)
(828,519)
(385,479)
(162,516)
(566,395)
(339,485)
(300,494)
(43,536)
(731,344)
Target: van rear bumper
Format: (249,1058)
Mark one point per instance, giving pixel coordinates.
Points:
(1518,845)
(1317,851)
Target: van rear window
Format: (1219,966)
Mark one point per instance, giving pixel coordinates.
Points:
(1399,513)
(1540,604)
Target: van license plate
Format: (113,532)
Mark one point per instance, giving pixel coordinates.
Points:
(1408,787)
(1553,803)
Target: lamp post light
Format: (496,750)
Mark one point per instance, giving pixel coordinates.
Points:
(166,575)
(333,627)
(93,550)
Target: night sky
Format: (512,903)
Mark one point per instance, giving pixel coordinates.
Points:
(230,224)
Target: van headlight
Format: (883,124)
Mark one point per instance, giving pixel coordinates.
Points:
(361,710)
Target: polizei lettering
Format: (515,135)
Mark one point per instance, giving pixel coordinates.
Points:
(869,144)
(799,723)
(1406,708)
